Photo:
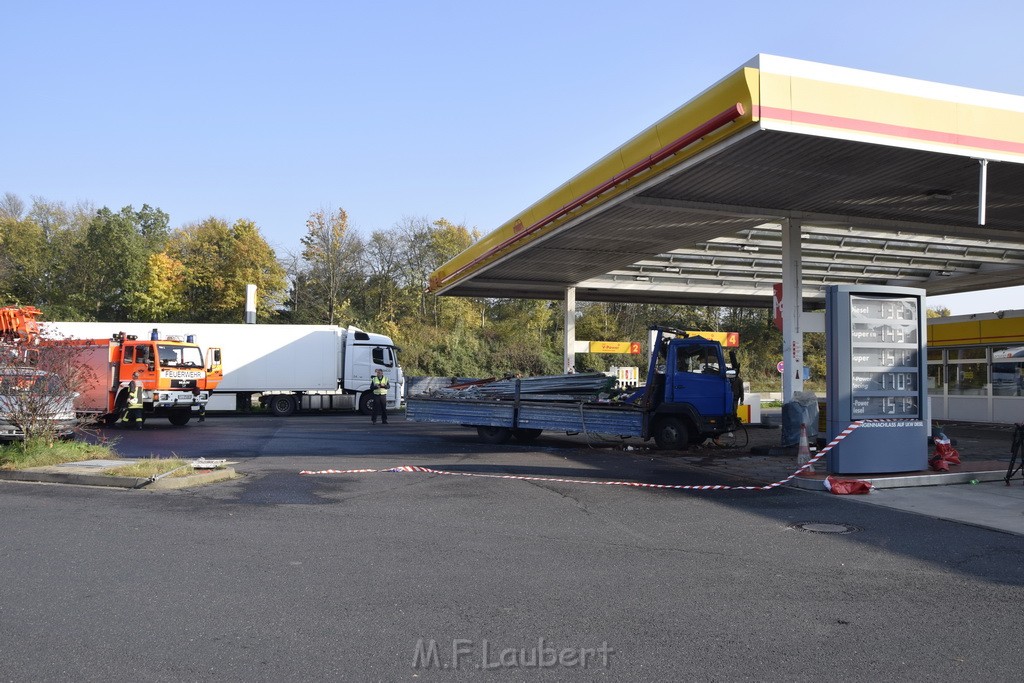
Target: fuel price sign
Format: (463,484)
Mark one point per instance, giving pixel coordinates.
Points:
(875,366)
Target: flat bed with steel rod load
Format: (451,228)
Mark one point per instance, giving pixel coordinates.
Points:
(688,398)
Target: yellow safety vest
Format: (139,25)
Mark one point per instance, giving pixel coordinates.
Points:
(379,385)
(135,398)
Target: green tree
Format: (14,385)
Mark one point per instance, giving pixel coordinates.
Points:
(24,254)
(109,265)
(382,260)
(219,261)
(428,246)
(38,249)
(332,268)
(162,295)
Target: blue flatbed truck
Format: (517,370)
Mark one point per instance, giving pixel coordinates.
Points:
(691,394)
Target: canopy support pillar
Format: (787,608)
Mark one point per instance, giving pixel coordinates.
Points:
(569,355)
(792,307)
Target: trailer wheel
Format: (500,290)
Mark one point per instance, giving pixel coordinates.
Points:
(494,434)
(525,435)
(364,403)
(282,405)
(179,418)
(670,433)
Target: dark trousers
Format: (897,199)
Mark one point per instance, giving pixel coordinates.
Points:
(379,404)
(133,418)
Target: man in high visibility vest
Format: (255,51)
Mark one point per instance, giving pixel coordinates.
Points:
(133,416)
(379,387)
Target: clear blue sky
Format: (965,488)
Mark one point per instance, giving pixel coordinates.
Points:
(469,111)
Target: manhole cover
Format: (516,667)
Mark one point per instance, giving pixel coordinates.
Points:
(825,527)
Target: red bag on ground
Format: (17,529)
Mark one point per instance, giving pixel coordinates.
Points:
(844,486)
(939,464)
(944,449)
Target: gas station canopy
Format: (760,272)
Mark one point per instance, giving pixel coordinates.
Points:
(891,181)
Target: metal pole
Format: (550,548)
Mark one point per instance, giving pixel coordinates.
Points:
(982,191)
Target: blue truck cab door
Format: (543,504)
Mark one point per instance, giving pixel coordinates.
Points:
(696,374)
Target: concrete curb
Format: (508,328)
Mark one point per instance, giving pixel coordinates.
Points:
(46,475)
(197,479)
(891,482)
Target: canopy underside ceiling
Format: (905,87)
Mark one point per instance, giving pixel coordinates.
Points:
(709,232)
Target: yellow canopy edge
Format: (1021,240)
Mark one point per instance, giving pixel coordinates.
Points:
(738,88)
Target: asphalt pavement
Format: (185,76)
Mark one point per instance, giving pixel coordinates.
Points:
(410,576)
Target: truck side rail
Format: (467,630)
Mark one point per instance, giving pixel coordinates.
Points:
(559,416)
(461,412)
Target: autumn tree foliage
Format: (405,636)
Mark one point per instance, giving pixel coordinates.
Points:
(76,262)
(218,261)
(333,270)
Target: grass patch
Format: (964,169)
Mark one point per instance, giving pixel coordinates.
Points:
(40,453)
(153,467)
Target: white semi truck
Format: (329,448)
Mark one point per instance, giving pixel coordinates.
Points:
(288,368)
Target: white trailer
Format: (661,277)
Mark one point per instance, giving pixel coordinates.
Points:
(288,367)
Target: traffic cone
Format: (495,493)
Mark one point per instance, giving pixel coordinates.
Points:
(803,452)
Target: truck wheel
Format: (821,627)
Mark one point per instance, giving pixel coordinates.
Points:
(494,434)
(524,435)
(179,418)
(282,405)
(364,403)
(670,433)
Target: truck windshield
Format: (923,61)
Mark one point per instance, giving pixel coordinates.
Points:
(702,359)
(174,356)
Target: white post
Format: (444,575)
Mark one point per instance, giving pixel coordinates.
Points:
(982,191)
(569,357)
(792,306)
(250,304)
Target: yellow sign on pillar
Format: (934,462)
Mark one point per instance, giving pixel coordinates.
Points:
(609,347)
(729,340)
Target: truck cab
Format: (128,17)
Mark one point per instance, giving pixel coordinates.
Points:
(689,389)
(176,379)
(365,352)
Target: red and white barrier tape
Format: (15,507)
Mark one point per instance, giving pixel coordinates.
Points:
(689,487)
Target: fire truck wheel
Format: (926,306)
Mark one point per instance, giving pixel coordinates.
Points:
(282,405)
(494,434)
(179,418)
(670,433)
(524,435)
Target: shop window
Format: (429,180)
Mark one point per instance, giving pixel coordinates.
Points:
(968,379)
(968,353)
(936,378)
